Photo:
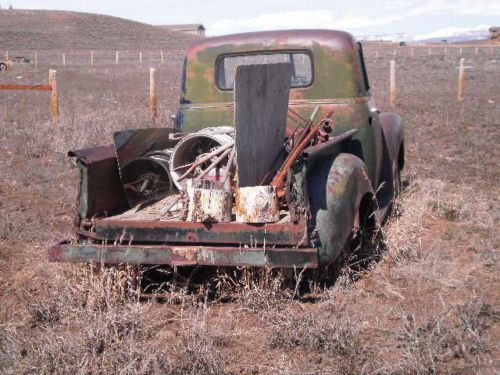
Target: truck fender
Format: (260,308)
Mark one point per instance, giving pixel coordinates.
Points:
(337,186)
(392,160)
(393,133)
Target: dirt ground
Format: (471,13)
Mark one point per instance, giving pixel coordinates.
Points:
(427,304)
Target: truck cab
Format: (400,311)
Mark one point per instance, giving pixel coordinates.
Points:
(328,69)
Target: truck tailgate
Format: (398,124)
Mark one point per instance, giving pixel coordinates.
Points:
(292,234)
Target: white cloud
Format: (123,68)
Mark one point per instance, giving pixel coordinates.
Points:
(457,7)
(453,31)
(392,11)
(299,19)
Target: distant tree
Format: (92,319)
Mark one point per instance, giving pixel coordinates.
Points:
(10,7)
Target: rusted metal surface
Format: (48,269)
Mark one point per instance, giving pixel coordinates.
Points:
(209,201)
(279,180)
(313,152)
(144,163)
(257,204)
(93,155)
(185,255)
(204,154)
(101,191)
(26,87)
(131,144)
(185,231)
(337,187)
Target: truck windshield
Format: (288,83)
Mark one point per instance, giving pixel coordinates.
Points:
(301,67)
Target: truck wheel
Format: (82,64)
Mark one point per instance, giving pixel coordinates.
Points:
(3,66)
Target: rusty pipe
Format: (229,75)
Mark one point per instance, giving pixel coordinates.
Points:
(214,164)
(205,158)
(279,180)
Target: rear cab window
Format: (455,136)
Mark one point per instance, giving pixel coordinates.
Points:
(301,61)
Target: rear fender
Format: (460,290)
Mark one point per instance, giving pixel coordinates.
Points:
(336,186)
(392,160)
(393,132)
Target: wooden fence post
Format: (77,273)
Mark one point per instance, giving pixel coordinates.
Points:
(430,51)
(36,62)
(54,102)
(461,79)
(376,54)
(461,51)
(393,83)
(117,58)
(64,59)
(476,51)
(411,51)
(152,95)
(92,58)
(161,56)
(140,57)
(7,58)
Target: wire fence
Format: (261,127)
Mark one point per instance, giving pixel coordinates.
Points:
(87,58)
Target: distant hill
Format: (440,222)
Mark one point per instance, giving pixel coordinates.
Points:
(61,30)
(451,35)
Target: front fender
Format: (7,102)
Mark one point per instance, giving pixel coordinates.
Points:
(336,186)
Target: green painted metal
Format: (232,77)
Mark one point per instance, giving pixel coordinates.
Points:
(338,84)
(185,255)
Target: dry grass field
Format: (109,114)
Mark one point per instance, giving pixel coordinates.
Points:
(61,30)
(425,302)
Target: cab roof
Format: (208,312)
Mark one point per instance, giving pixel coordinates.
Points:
(278,39)
(336,64)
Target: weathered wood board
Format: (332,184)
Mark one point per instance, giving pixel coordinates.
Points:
(261,94)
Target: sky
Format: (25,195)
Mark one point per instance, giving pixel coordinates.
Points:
(421,19)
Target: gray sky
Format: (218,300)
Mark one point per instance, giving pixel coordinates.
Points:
(426,18)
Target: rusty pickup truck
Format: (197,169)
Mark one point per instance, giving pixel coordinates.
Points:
(343,161)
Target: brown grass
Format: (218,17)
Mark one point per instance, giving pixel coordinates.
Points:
(427,305)
(62,30)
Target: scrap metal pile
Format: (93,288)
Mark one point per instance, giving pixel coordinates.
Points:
(197,179)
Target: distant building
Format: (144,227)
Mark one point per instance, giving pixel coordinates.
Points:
(494,34)
(196,29)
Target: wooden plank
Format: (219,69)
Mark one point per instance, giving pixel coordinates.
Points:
(261,94)
(26,87)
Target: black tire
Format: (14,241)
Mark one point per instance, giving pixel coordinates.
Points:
(3,66)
